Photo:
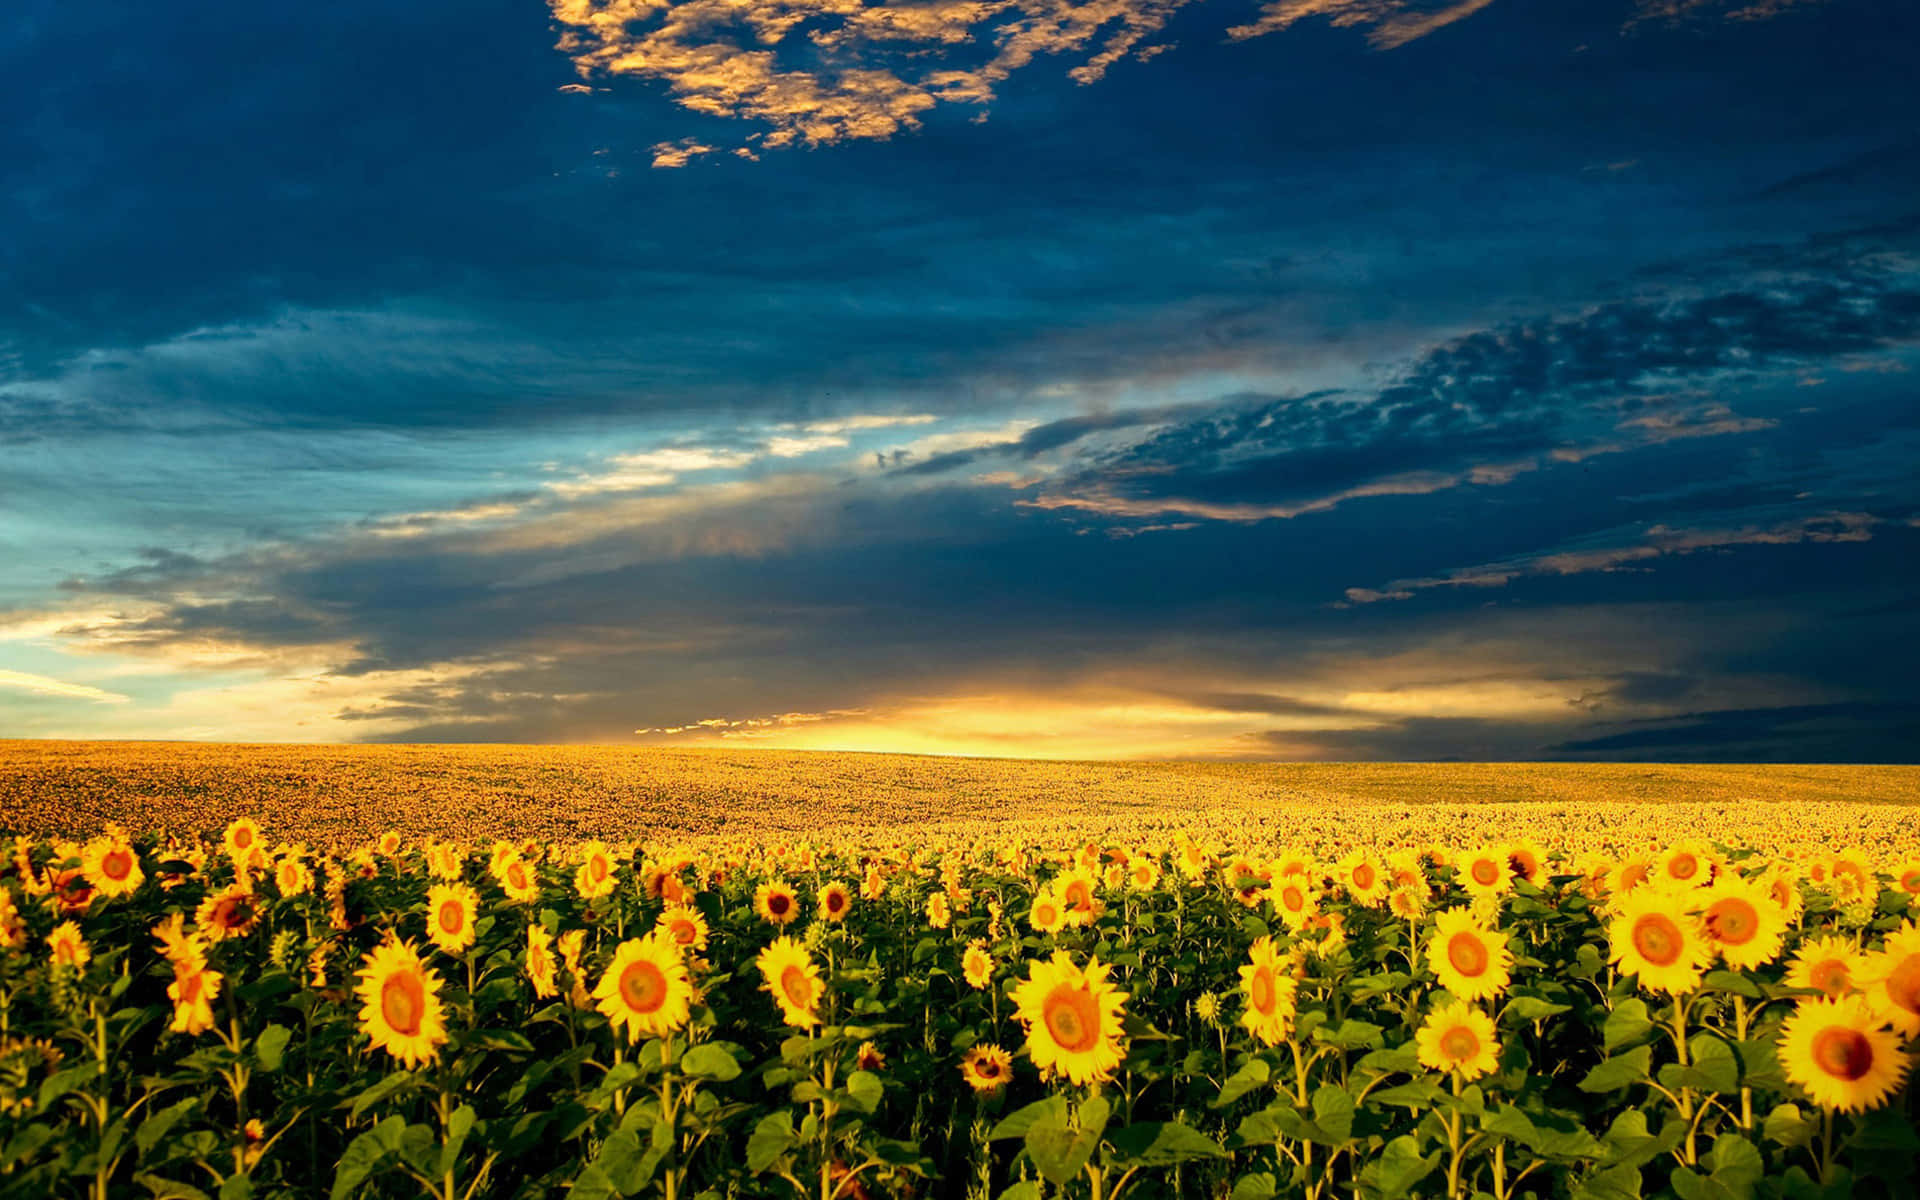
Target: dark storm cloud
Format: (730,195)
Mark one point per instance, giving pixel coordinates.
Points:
(1874,731)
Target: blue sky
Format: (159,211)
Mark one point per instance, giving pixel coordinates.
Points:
(1312,379)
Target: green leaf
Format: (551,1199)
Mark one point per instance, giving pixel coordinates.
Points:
(1532,1008)
(1622,1070)
(459,1125)
(1418,1093)
(1259,1186)
(1732,981)
(271,1046)
(1059,1152)
(1400,1166)
(1404,1060)
(1737,1165)
(1026,1189)
(156,1126)
(24,1144)
(378,1092)
(1713,1067)
(1550,1136)
(1629,1143)
(1050,1111)
(772,1137)
(708,1061)
(1349,1035)
(236,1187)
(1627,1023)
(497,1039)
(365,1153)
(1255,1073)
(593,1183)
(1333,1113)
(1610,1183)
(60,1083)
(1786,1126)
(1162,1143)
(169,1189)
(865,1090)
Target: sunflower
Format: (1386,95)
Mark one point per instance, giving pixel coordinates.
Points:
(874,885)
(450,912)
(977,965)
(645,989)
(570,944)
(23,1061)
(1851,875)
(67,947)
(1076,891)
(1364,878)
(193,991)
(1526,860)
(1742,922)
(1826,964)
(1471,961)
(111,867)
(518,880)
(1906,877)
(175,942)
(1842,1054)
(72,892)
(400,1004)
(986,1068)
(1072,1018)
(1627,875)
(1271,990)
(1484,872)
(233,911)
(794,981)
(389,843)
(595,877)
(1658,941)
(241,839)
(1782,882)
(1407,902)
(1048,914)
(834,902)
(939,912)
(1458,1038)
(540,961)
(1685,865)
(1143,874)
(1295,899)
(776,903)
(1893,975)
(292,877)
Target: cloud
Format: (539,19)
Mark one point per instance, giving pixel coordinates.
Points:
(1658,541)
(1391,23)
(42,685)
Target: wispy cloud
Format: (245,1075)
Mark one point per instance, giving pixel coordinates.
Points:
(42,685)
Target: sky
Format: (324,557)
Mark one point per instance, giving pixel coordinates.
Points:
(1308,379)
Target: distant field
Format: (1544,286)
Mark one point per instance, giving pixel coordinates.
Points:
(335,795)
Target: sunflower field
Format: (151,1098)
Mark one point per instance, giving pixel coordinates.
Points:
(989,1014)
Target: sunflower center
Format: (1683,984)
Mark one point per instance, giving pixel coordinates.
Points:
(1486,872)
(1521,864)
(1293,899)
(1829,975)
(1733,921)
(777,904)
(1842,1052)
(683,931)
(1910,882)
(403,1002)
(1073,1018)
(1683,866)
(453,918)
(232,913)
(1658,939)
(987,1068)
(190,988)
(1903,984)
(118,864)
(1459,1044)
(598,868)
(1467,953)
(643,986)
(1261,991)
(243,837)
(1079,894)
(793,981)
(1363,876)
(835,902)
(1633,876)
(517,875)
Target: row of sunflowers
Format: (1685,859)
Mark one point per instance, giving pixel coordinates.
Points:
(983,1018)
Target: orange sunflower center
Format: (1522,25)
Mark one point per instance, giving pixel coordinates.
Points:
(1073,1018)
(1044,914)
(1910,881)
(1830,976)
(793,981)
(836,901)
(1261,991)
(232,912)
(1293,899)
(1633,876)
(453,918)
(1842,1052)
(1903,984)
(643,986)
(778,903)
(1658,939)
(1363,876)
(1522,864)
(1683,866)
(1733,921)
(986,1068)
(683,931)
(517,875)
(1467,953)
(1079,894)
(597,868)
(243,837)
(1486,872)
(190,988)
(1459,1044)
(118,863)
(403,1002)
